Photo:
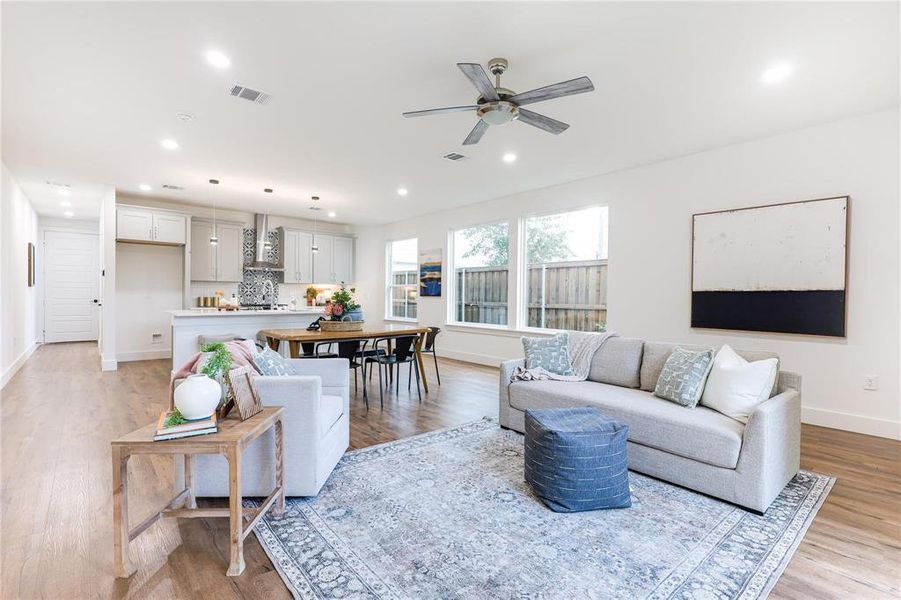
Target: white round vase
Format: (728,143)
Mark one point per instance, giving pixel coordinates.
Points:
(197,397)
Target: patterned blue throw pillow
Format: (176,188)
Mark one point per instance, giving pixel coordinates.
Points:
(550,354)
(684,375)
(270,362)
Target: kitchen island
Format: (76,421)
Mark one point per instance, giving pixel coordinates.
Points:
(189,324)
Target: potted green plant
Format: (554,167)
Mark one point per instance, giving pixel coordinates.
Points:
(310,295)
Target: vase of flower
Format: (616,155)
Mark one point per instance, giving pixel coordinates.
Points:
(342,313)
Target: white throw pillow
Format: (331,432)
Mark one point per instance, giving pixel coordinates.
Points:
(735,386)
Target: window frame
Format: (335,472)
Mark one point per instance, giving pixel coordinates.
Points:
(390,285)
(451,285)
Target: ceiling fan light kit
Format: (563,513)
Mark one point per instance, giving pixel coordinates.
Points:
(498,105)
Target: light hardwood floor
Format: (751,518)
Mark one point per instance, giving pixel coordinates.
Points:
(60,412)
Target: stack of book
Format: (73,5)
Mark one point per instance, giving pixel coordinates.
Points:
(184,429)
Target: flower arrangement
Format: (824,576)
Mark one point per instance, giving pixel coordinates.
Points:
(310,294)
(341,303)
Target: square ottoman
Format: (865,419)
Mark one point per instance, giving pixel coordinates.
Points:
(575,459)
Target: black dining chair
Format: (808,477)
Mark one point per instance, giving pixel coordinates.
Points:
(313,350)
(429,348)
(404,351)
(349,349)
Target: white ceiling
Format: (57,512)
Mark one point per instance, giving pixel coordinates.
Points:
(91,88)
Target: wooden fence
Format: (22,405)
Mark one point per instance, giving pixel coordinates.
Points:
(561,295)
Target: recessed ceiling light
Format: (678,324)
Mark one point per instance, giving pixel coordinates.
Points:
(776,73)
(402,191)
(218,59)
(62,192)
(144,187)
(169,144)
(332,214)
(69,214)
(509,157)
(65,204)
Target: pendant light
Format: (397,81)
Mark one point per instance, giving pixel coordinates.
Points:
(314,248)
(214,239)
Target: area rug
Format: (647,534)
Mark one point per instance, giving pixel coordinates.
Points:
(448,515)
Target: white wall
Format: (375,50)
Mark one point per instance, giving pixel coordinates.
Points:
(149,281)
(650,249)
(18,302)
(107,229)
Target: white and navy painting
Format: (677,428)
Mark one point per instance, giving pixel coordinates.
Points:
(778,268)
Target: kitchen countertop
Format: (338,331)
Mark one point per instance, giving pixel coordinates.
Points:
(212,312)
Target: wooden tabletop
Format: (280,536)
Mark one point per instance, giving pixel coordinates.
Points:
(369,332)
(232,431)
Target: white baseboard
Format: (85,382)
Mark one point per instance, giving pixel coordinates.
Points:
(108,364)
(851,422)
(17,364)
(143,355)
(470,357)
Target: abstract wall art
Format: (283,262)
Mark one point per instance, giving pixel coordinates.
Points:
(778,268)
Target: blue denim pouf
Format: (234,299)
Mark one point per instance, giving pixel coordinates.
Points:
(576,459)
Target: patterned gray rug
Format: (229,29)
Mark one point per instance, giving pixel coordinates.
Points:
(448,515)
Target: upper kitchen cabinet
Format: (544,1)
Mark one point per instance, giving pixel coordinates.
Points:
(137,224)
(298,255)
(334,263)
(222,262)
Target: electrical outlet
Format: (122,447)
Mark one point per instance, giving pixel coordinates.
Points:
(870,382)
(156,338)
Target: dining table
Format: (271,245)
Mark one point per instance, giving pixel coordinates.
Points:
(296,337)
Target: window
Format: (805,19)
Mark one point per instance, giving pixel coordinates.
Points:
(481,265)
(565,284)
(403,281)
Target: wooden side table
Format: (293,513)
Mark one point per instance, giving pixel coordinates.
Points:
(233,436)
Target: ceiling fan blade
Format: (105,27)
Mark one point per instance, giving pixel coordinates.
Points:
(476,134)
(541,122)
(580,85)
(440,111)
(479,78)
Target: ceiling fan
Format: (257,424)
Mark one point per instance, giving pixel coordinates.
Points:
(497,105)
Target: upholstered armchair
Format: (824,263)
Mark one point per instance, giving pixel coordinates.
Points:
(317,433)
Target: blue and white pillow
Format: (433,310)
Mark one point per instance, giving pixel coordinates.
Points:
(684,375)
(550,354)
(270,362)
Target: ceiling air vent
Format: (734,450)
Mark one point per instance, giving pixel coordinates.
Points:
(239,91)
(454,156)
(169,186)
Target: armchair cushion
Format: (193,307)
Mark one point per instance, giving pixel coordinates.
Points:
(270,362)
(331,409)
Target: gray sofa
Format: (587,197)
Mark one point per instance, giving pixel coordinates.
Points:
(696,448)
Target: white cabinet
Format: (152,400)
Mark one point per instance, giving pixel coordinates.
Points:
(169,228)
(334,261)
(230,253)
(138,224)
(222,262)
(203,255)
(343,260)
(298,256)
(134,224)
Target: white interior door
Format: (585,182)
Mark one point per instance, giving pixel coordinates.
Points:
(71,286)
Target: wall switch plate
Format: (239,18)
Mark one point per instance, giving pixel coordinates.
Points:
(870,382)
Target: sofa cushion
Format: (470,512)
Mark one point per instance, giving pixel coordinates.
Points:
(654,357)
(655,354)
(332,409)
(269,362)
(700,433)
(618,362)
(550,354)
(683,376)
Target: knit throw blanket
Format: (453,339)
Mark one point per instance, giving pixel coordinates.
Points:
(582,347)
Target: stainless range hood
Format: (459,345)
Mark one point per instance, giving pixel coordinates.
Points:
(261,260)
